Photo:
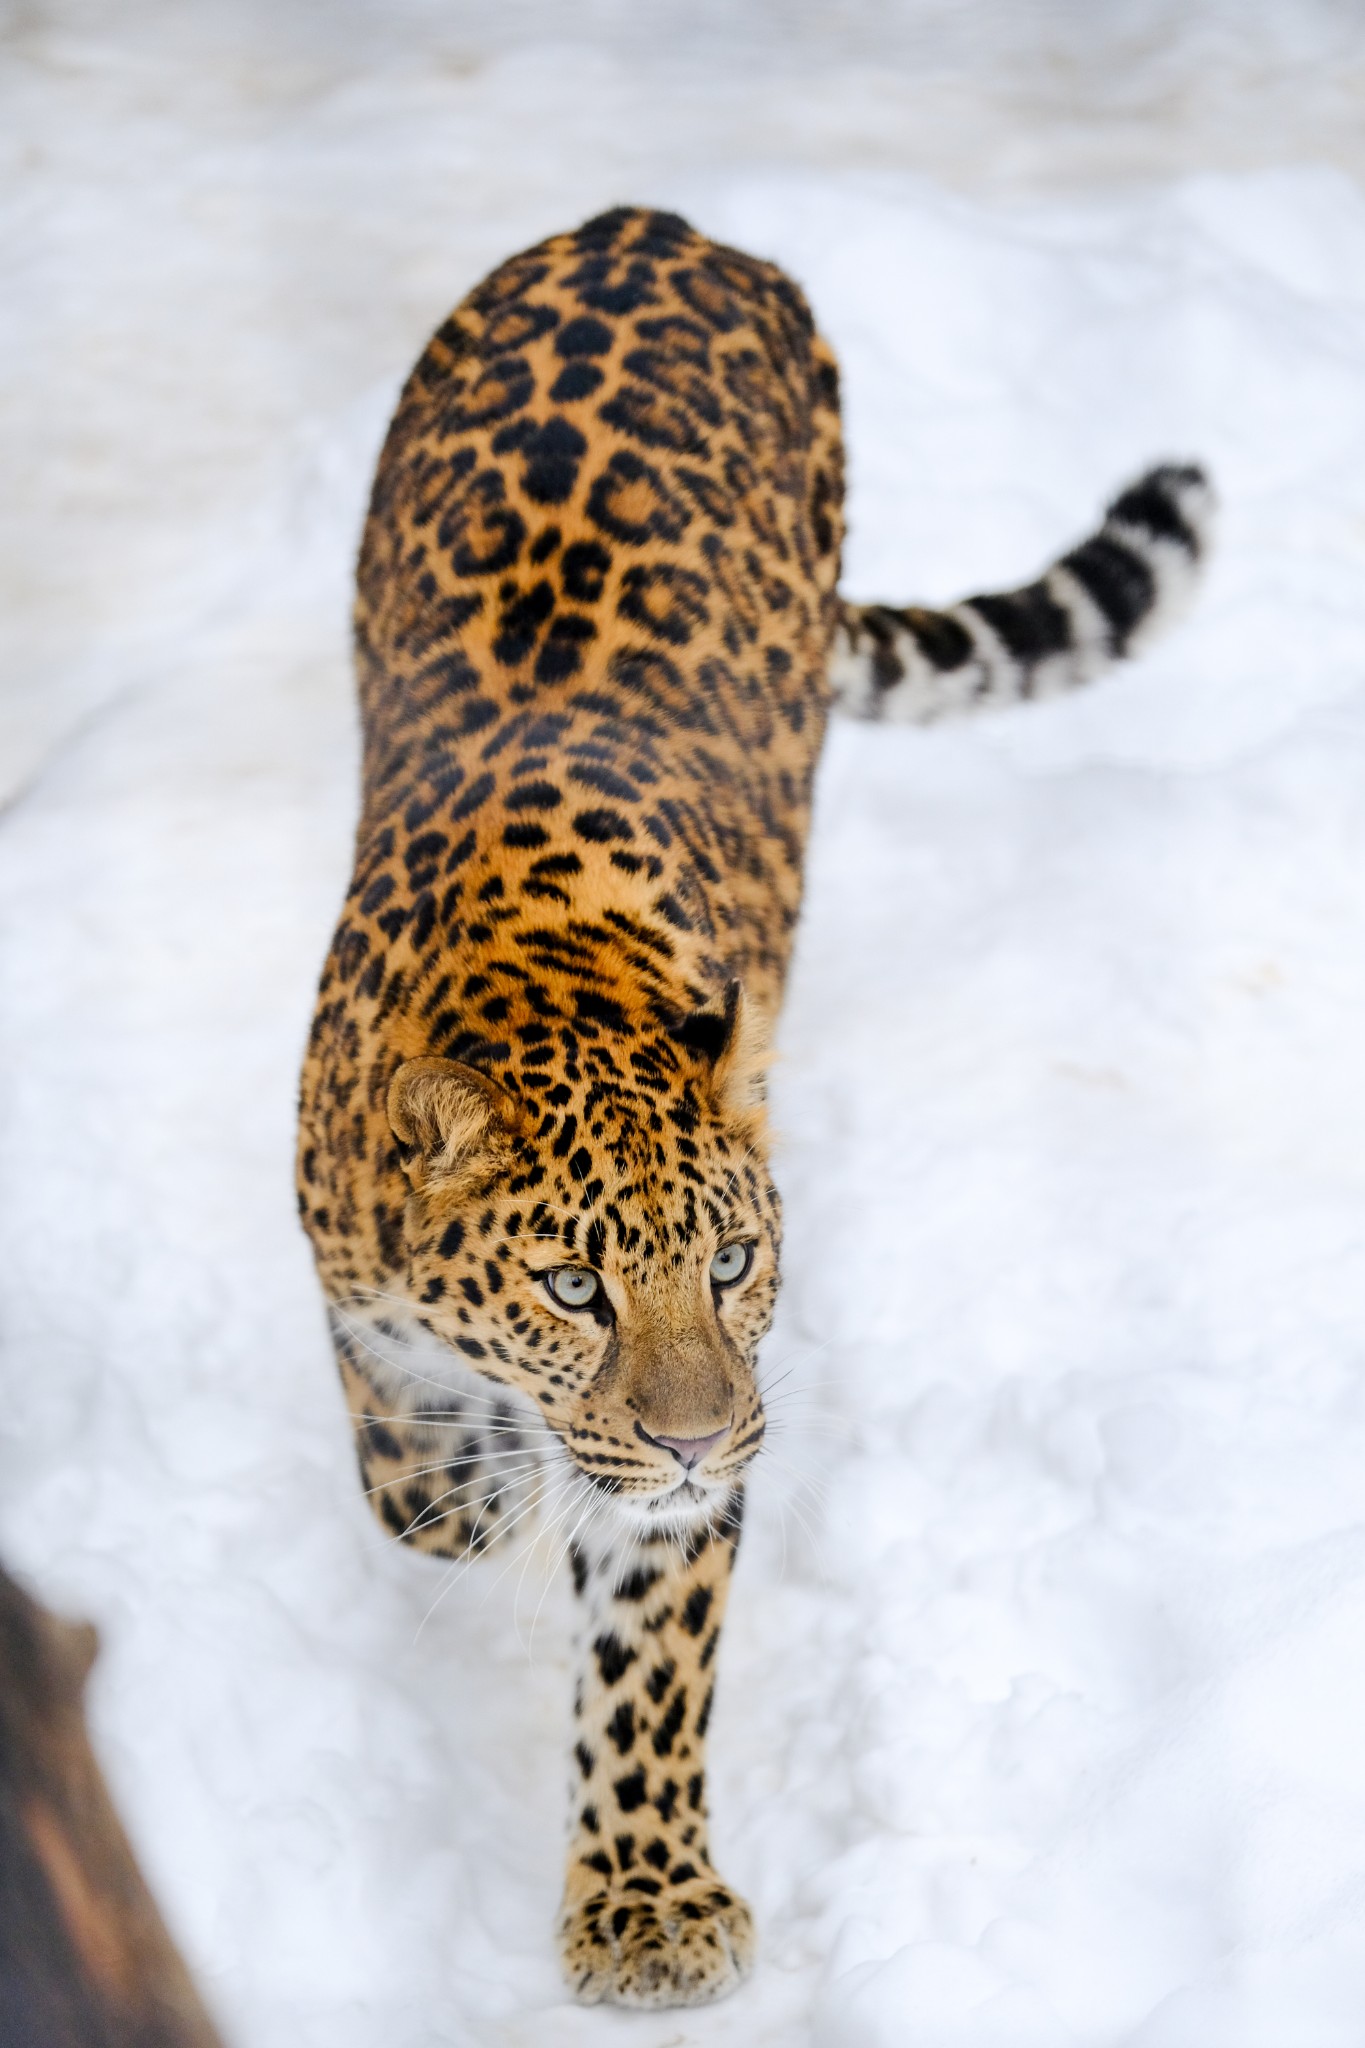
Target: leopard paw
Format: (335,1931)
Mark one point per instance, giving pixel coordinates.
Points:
(687,1945)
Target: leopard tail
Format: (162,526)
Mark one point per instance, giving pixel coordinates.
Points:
(1100,603)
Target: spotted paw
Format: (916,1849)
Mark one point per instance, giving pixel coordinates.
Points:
(687,1945)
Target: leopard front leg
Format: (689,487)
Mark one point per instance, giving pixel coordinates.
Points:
(450,1471)
(645,1919)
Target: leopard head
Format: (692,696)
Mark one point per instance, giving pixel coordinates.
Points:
(606,1242)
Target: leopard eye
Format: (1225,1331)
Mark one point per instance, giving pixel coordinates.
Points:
(731,1263)
(573,1286)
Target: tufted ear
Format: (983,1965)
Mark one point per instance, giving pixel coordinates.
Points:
(732,1037)
(454,1125)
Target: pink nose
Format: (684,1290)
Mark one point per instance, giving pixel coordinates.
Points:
(690,1450)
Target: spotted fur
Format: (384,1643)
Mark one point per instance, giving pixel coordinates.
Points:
(597,607)
(1104,600)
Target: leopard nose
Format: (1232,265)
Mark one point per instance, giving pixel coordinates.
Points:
(689,1450)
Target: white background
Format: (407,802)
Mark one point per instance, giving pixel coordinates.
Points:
(1040,1723)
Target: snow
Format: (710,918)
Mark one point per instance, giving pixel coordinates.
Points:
(1039,1721)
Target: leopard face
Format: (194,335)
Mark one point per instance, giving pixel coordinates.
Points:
(613,1259)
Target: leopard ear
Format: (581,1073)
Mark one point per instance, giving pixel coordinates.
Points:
(455,1127)
(733,1037)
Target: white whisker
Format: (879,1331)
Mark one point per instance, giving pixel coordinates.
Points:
(405,1473)
(463,1564)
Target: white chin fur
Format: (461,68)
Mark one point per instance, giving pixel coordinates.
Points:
(675,1513)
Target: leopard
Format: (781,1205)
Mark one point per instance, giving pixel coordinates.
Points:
(598,634)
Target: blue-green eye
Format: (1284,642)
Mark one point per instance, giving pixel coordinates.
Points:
(731,1263)
(573,1286)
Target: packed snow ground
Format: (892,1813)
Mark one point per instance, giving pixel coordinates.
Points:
(1042,1694)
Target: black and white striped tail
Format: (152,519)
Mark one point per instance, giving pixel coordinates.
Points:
(1103,601)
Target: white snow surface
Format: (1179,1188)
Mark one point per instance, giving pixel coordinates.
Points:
(1043,1688)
